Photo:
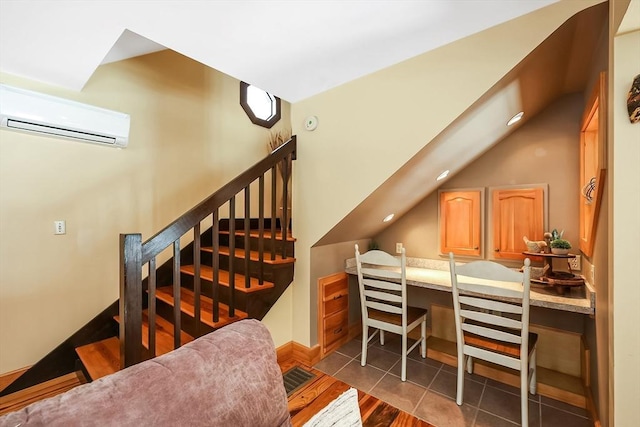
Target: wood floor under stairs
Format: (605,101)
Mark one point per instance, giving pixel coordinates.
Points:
(103,357)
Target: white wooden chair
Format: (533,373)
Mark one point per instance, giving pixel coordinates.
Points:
(384,302)
(492,321)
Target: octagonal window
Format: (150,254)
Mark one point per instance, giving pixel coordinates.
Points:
(262,108)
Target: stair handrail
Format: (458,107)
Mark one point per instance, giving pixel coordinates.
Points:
(134,253)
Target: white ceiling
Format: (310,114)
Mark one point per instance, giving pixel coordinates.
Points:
(293,49)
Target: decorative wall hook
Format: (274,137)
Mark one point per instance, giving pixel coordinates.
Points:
(633,100)
(588,189)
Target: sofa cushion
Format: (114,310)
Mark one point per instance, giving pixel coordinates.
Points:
(229,377)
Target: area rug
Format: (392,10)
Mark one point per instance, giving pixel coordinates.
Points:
(344,411)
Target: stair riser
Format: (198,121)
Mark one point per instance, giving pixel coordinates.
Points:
(252,303)
(187,322)
(239,266)
(206,288)
(254,243)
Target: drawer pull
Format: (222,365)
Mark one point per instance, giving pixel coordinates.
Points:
(337,331)
(338,296)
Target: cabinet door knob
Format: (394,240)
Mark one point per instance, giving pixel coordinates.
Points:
(476,248)
(497,249)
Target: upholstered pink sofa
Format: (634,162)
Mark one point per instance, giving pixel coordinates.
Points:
(226,378)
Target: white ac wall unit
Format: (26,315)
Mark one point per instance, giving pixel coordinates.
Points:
(24,110)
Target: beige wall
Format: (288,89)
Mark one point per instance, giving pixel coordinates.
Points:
(189,136)
(625,234)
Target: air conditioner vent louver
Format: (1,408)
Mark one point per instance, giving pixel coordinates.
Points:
(47,115)
(34,127)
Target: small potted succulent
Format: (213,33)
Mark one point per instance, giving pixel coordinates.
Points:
(560,246)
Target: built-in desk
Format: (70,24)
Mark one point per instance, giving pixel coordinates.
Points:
(557,319)
(434,274)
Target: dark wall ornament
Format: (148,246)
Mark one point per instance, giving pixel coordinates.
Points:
(633,100)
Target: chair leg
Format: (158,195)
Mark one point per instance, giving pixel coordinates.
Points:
(470,364)
(423,345)
(460,379)
(381,337)
(524,397)
(403,375)
(533,381)
(365,341)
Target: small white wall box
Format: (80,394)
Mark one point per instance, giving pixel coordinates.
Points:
(34,112)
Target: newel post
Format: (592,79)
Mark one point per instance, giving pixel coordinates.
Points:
(130,299)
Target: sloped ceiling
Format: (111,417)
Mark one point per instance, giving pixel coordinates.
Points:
(558,66)
(293,49)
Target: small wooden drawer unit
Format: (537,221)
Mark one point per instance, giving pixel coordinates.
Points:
(333,311)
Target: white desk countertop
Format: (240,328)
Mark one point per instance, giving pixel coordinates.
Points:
(434,274)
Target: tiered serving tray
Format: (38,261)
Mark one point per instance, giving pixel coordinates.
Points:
(561,280)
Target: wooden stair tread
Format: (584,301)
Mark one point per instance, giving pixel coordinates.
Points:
(187,306)
(164,334)
(103,357)
(100,358)
(253,255)
(206,272)
(266,234)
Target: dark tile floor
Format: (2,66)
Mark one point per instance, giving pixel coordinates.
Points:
(430,389)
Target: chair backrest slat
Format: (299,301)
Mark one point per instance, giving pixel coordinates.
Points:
(488,270)
(382,273)
(488,288)
(382,296)
(491,319)
(381,258)
(384,307)
(379,284)
(491,304)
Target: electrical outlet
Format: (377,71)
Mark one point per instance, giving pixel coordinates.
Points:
(398,248)
(59,227)
(574,263)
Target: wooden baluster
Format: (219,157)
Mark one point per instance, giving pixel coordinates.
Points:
(152,306)
(273,212)
(247,237)
(130,299)
(261,229)
(176,294)
(285,214)
(215,265)
(196,277)
(232,251)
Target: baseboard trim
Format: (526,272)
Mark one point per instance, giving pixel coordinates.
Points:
(299,353)
(591,407)
(9,377)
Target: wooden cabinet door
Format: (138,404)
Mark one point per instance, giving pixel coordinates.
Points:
(516,213)
(460,222)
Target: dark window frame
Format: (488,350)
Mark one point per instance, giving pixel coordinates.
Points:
(257,120)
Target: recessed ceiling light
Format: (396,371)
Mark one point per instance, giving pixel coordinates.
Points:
(443,175)
(515,118)
(388,218)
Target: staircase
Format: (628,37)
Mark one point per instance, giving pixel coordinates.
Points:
(236,269)
(102,357)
